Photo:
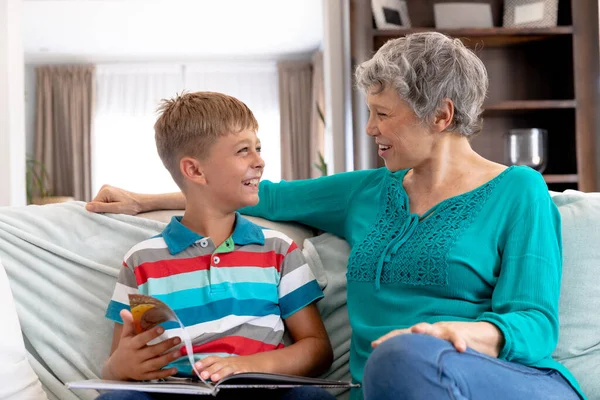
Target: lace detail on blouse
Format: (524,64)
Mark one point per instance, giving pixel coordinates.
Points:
(422,258)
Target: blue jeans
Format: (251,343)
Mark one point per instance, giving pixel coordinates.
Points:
(416,366)
(299,393)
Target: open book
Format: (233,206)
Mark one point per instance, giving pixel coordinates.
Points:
(246,380)
(148,312)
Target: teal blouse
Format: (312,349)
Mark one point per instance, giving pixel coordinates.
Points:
(492,254)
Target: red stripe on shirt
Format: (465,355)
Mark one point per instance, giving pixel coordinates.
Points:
(237,345)
(166,268)
(249,259)
(293,247)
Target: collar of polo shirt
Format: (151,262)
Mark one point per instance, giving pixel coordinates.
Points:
(179,237)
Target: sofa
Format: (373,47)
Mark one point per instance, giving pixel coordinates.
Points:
(58,265)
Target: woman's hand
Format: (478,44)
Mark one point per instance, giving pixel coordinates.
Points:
(483,337)
(134,359)
(217,368)
(114,200)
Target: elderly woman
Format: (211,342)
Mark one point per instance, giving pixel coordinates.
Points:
(454,274)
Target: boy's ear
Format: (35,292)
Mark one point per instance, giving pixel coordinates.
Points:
(191,169)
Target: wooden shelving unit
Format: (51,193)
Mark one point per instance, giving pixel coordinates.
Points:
(566,178)
(524,105)
(494,37)
(539,78)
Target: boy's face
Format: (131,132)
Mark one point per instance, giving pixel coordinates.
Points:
(233,170)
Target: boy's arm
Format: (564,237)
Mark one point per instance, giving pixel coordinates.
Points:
(311,353)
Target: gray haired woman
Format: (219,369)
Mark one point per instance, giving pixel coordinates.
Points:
(454,274)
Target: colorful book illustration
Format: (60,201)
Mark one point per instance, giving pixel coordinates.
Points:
(148,312)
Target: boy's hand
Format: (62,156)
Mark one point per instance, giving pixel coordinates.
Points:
(217,368)
(134,359)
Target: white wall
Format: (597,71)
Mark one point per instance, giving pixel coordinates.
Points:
(336,65)
(12,110)
(30,81)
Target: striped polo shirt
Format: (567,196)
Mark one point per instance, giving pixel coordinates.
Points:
(232,299)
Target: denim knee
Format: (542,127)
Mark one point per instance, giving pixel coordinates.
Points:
(124,395)
(407,350)
(307,393)
(402,364)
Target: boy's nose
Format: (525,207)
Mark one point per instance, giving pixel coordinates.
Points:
(260,163)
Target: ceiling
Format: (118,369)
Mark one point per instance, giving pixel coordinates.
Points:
(169,30)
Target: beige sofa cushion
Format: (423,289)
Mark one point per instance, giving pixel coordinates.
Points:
(579,339)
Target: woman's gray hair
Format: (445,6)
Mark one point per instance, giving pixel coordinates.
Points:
(425,68)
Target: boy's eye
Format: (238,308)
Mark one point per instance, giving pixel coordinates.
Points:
(258,149)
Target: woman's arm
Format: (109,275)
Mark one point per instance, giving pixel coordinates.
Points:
(525,299)
(119,201)
(321,203)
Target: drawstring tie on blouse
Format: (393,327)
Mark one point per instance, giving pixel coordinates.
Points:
(404,233)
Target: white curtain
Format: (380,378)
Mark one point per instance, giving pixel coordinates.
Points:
(123,148)
(256,84)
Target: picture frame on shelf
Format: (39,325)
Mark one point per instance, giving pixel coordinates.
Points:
(530,13)
(458,15)
(390,14)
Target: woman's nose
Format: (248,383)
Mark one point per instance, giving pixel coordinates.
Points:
(372,128)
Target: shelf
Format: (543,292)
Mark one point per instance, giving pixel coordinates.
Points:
(492,37)
(518,105)
(566,178)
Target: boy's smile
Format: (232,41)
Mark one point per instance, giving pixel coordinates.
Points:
(252,183)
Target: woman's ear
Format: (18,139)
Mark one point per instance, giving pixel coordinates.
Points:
(191,170)
(444,115)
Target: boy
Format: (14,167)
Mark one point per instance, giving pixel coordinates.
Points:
(231,282)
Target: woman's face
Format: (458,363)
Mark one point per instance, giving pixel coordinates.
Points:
(403,140)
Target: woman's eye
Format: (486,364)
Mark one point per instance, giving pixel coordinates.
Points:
(244,150)
(382,114)
(258,149)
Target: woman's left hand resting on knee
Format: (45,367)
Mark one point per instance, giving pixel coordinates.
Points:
(483,337)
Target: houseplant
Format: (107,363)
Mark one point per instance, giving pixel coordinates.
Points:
(38,184)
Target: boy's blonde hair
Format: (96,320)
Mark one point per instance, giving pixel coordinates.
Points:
(191,122)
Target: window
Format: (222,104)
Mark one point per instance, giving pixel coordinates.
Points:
(123,148)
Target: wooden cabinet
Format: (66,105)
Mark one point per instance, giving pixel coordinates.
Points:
(539,78)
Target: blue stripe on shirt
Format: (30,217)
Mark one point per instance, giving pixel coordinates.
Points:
(222,308)
(300,298)
(113,310)
(205,295)
(198,279)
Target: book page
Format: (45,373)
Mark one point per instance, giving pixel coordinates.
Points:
(148,312)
